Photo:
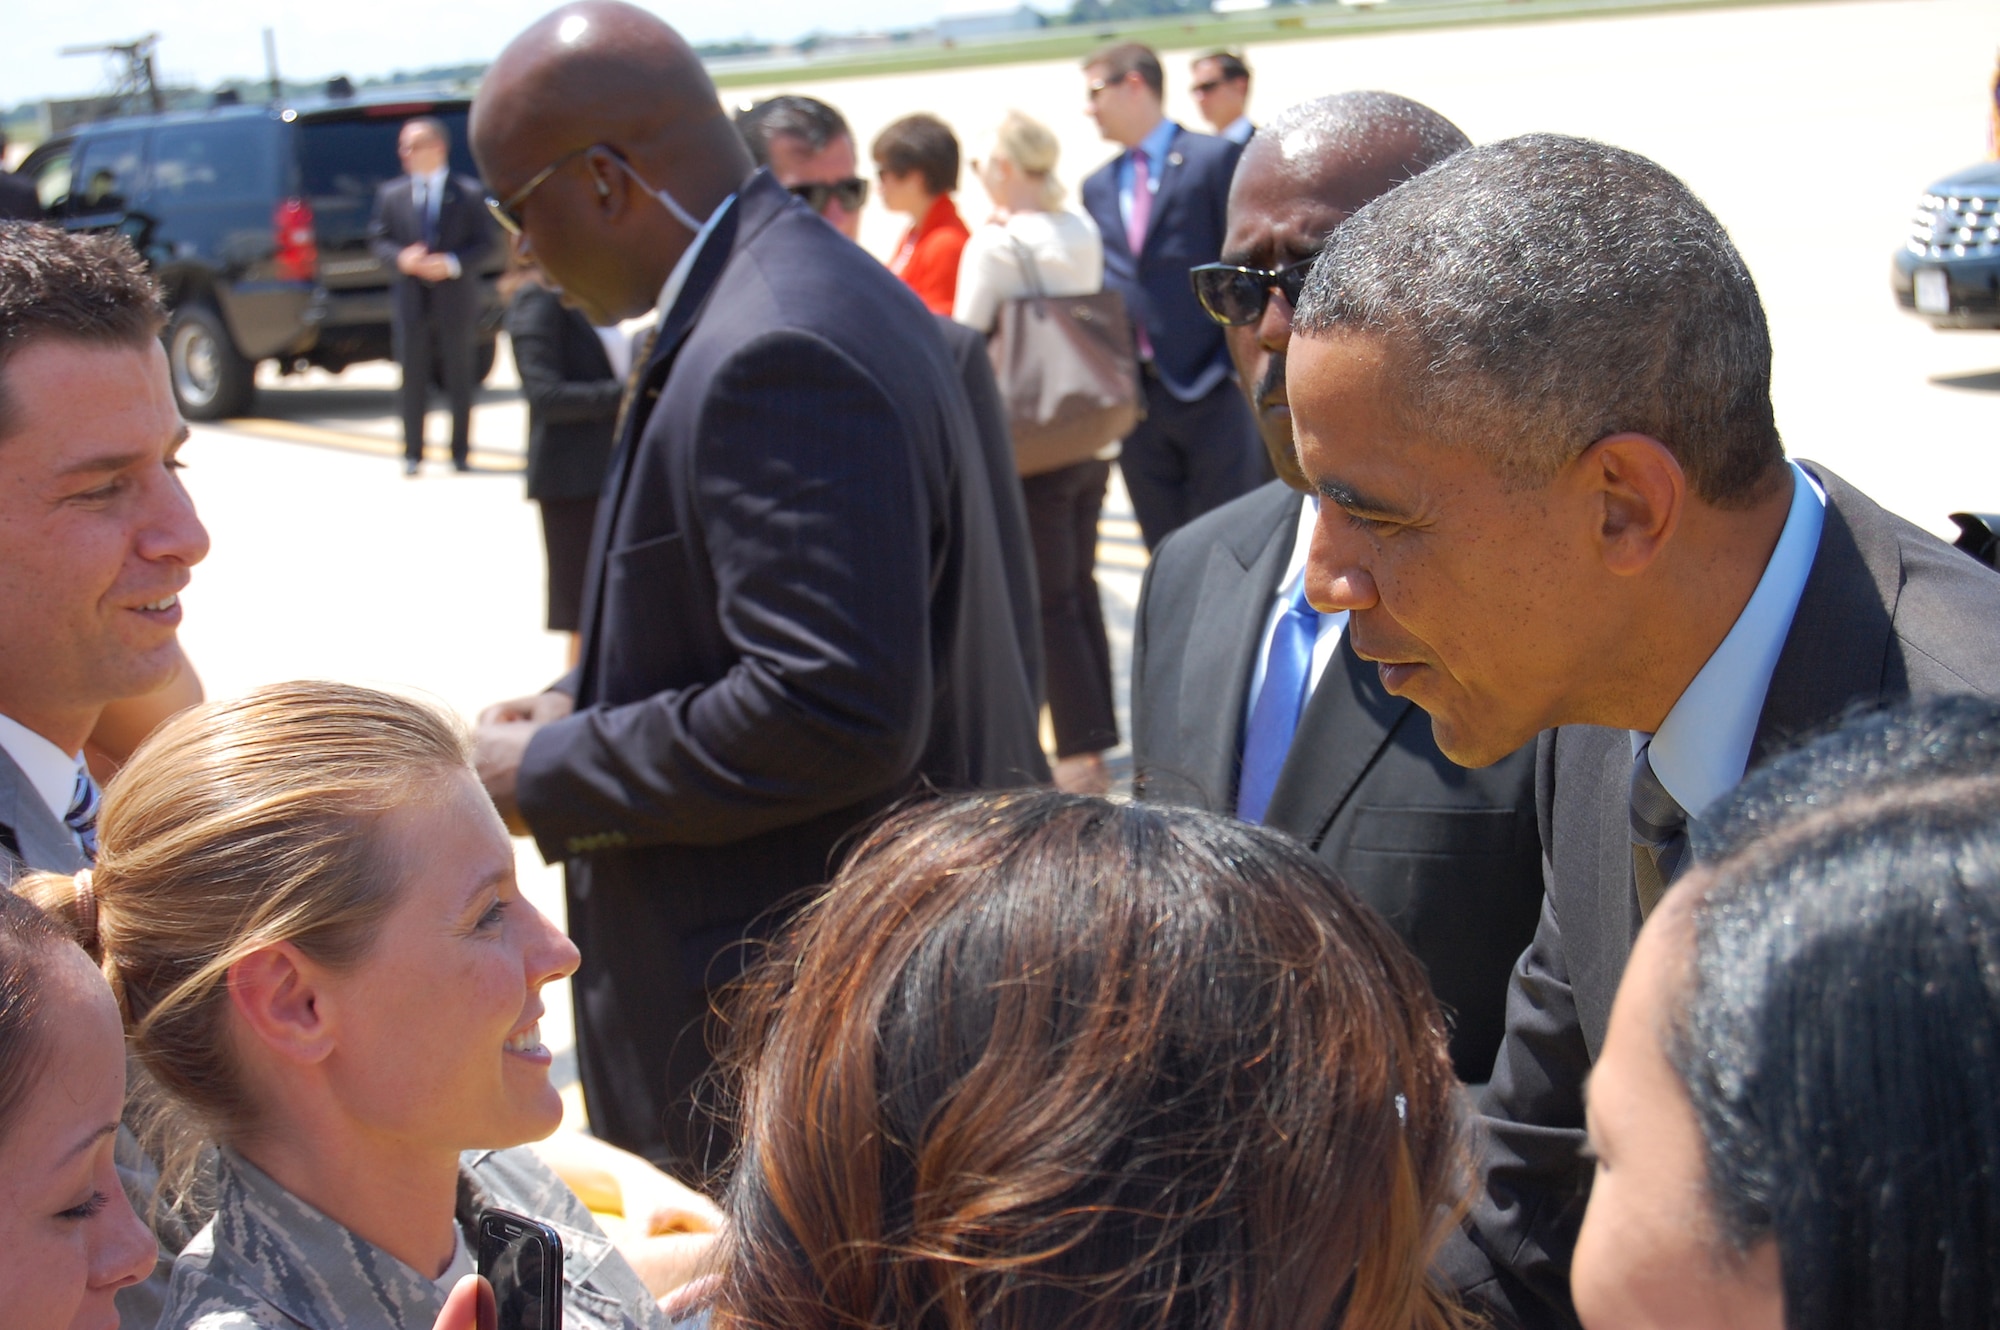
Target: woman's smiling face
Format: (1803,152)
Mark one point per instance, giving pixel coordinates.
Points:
(439,1039)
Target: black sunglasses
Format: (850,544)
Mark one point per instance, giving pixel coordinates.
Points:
(851,192)
(1234,296)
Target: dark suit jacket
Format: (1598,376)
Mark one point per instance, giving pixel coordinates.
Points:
(1185,229)
(1889,612)
(1010,507)
(1450,856)
(797,613)
(464,226)
(572,395)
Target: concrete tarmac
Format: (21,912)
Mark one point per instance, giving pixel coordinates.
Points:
(1810,130)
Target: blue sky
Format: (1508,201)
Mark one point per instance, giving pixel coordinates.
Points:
(203,41)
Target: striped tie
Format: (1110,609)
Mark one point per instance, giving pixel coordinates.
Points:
(81,819)
(1659,834)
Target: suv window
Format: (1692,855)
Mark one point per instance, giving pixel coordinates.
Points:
(105,174)
(209,163)
(352,157)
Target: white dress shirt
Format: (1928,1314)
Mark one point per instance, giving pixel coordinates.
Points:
(1239,130)
(671,290)
(50,771)
(1702,747)
(1330,625)
(427,194)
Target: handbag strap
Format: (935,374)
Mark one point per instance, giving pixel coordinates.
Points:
(1028,267)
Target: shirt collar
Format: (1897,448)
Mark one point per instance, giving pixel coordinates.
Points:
(1702,747)
(50,771)
(1155,146)
(434,180)
(942,212)
(1240,129)
(677,279)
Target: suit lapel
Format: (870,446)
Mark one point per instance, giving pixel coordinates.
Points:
(1100,200)
(28,828)
(651,382)
(1237,584)
(1838,648)
(1173,167)
(1347,721)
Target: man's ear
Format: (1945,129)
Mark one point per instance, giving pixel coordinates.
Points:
(276,992)
(1638,492)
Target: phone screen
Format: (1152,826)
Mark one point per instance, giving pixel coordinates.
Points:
(523,1261)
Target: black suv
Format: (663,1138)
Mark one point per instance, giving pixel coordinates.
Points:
(1948,270)
(255,220)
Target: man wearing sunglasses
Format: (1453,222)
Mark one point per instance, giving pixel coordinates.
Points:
(1246,701)
(1159,205)
(1221,92)
(810,151)
(797,609)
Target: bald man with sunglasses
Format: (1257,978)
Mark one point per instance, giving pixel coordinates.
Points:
(1244,699)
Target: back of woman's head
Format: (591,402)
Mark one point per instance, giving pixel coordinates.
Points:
(1038,1060)
(1034,150)
(29,943)
(1841,1039)
(237,826)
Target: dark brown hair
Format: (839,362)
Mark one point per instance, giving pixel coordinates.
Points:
(919,143)
(86,288)
(28,943)
(1040,1060)
(1229,66)
(1130,58)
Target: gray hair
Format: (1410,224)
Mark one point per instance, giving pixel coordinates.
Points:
(793,116)
(1545,292)
(1360,127)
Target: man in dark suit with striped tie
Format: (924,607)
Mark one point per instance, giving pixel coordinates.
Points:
(1160,206)
(430,228)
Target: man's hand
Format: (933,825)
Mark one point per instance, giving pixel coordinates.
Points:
(435,268)
(410,260)
(501,740)
(469,1307)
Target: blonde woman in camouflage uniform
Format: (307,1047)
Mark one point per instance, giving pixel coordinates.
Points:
(306,907)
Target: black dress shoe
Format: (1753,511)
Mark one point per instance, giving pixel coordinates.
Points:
(411,466)
(460,464)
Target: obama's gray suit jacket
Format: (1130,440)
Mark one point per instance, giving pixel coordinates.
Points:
(1888,612)
(31,837)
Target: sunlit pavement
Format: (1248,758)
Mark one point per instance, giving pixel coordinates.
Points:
(1810,130)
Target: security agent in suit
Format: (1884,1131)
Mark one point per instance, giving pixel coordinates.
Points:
(1450,856)
(18,200)
(1160,205)
(430,229)
(1581,522)
(797,609)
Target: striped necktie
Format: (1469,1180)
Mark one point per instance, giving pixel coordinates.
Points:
(81,819)
(642,354)
(1136,223)
(1659,833)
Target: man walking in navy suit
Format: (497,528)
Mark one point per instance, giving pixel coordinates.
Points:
(1161,206)
(430,228)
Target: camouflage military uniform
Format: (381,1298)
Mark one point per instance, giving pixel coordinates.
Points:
(269,1261)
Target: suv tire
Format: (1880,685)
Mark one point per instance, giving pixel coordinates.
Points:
(212,380)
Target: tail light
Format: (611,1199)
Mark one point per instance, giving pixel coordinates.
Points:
(297,255)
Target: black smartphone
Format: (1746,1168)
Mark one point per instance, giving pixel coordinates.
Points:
(523,1259)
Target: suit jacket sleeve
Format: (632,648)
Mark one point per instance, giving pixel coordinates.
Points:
(818,538)
(381,243)
(535,326)
(1511,1259)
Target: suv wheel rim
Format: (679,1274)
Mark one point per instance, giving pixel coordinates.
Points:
(197,364)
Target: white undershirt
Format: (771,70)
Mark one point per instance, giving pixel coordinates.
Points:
(1330,625)
(50,771)
(1703,746)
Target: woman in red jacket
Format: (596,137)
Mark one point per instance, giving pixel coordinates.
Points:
(916,164)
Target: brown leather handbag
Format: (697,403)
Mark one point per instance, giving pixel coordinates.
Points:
(1067,372)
